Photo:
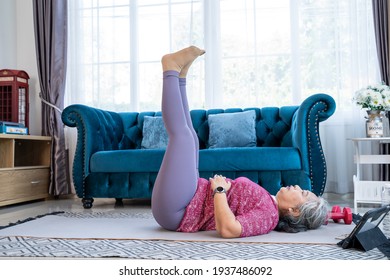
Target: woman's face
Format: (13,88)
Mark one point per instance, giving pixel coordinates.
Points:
(290,198)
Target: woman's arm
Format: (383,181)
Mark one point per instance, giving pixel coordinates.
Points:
(226,224)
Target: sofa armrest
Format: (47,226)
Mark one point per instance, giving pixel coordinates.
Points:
(97,130)
(306,137)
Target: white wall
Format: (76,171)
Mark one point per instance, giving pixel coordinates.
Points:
(7,34)
(17,50)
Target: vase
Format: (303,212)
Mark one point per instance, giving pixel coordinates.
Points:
(374,124)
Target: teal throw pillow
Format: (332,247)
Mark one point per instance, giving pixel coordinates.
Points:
(154,133)
(232,129)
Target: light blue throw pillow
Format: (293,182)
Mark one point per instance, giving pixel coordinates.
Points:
(154,133)
(232,129)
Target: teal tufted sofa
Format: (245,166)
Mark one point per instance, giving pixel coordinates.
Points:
(110,163)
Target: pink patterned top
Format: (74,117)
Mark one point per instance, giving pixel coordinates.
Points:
(253,206)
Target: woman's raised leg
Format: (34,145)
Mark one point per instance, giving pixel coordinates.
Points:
(177,179)
(183,91)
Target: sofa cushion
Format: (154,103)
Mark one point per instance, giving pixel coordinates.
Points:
(248,158)
(219,159)
(154,133)
(134,160)
(232,130)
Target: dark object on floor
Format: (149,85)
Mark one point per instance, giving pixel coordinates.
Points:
(367,234)
(385,248)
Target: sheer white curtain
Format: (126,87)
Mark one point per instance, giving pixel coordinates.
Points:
(116,46)
(259,53)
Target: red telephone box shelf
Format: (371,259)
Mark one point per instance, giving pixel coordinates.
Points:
(14,99)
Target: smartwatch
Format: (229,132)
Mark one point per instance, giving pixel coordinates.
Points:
(219,190)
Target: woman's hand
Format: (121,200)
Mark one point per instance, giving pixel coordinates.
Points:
(225,221)
(219,181)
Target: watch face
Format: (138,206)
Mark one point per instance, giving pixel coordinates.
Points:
(220,189)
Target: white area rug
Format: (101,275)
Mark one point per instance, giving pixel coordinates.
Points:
(135,235)
(142,226)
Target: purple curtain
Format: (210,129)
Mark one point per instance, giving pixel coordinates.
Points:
(50,26)
(380,12)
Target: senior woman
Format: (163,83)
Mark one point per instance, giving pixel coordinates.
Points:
(181,201)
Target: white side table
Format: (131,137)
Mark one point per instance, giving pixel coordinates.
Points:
(367,191)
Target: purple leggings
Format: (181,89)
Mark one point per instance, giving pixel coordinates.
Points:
(177,179)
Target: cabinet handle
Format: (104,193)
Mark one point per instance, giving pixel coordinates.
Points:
(35,182)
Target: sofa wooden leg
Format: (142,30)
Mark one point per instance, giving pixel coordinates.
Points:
(87,203)
(118,202)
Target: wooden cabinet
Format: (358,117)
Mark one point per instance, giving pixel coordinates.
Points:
(24,168)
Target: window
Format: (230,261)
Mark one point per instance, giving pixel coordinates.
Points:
(115,48)
(259,53)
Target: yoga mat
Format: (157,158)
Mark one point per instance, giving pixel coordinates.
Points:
(142,226)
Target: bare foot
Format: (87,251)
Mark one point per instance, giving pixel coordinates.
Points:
(181,61)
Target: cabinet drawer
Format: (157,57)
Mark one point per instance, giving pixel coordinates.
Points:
(22,185)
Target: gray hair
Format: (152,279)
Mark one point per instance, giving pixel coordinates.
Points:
(313,214)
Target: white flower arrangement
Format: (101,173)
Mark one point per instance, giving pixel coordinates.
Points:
(373,97)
